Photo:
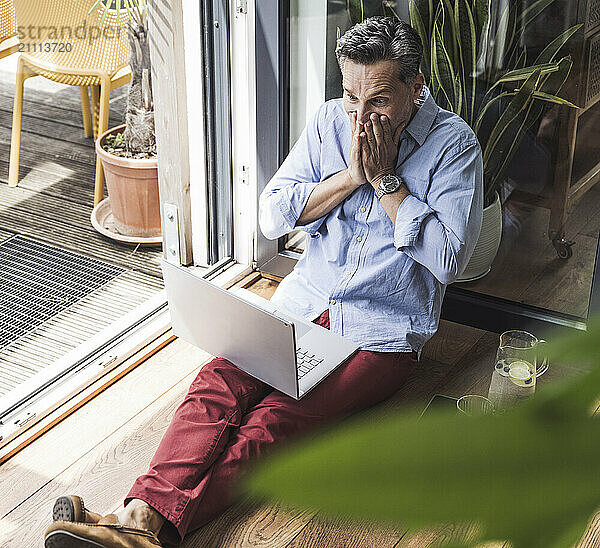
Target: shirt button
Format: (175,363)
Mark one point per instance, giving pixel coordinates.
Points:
(348,272)
(358,239)
(363,209)
(332,301)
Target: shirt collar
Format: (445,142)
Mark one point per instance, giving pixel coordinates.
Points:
(421,123)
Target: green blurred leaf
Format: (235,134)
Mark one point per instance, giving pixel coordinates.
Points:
(530,475)
(516,474)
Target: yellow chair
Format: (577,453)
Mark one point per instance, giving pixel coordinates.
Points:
(9,41)
(63,42)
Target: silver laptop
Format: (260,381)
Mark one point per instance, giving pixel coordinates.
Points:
(278,348)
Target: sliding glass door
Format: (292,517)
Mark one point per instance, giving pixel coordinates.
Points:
(545,269)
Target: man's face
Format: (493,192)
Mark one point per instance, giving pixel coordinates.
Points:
(377,88)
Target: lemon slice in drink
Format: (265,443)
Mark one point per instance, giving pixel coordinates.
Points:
(521,373)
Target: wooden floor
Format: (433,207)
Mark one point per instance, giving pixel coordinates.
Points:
(54,198)
(99,451)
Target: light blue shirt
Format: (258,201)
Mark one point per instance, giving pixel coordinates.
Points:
(383,284)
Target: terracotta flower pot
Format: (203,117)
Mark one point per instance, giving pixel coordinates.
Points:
(132,186)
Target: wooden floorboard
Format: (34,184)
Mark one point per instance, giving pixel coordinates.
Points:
(248,524)
(443,535)
(322,531)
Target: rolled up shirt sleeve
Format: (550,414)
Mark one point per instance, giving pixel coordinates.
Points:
(441,232)
(284,198)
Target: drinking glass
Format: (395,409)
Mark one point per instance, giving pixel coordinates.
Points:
(473,404)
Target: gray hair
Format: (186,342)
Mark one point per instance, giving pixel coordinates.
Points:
(382,39)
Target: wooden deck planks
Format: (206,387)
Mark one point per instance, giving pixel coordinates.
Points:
(53,201)
(249,524)
(78,239)
(442,535)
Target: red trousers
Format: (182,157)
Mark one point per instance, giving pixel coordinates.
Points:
(229,417)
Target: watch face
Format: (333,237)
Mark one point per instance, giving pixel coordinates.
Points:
(390,183)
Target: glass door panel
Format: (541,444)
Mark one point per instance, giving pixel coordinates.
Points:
(549,202)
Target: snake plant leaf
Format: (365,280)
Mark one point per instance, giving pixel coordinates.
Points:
(504,149)
(517,75)
(449,32)
(359,10)
(356,10)
(524,73)
(521,60)
(548,97)
(489,104)
(532,11)
(548,88)
(467,46)
(542,96)
(427,13)
(441,65)
(511,34)
(506,136)
(417,23)
(481,13)
(550,51)
(553,82)
(515,108)
(499,43)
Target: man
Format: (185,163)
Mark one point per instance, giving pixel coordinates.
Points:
(388,188)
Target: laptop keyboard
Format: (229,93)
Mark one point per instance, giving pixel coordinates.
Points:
(306,361)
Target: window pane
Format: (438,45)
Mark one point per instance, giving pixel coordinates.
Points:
(543,166)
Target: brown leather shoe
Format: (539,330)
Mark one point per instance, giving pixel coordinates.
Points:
(71,508)
(107,533)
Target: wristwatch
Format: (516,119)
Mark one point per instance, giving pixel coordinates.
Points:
(387,185)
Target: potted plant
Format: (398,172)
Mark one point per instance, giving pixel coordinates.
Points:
(128,152)
(488,81)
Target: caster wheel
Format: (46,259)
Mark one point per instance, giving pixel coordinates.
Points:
(563,248)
